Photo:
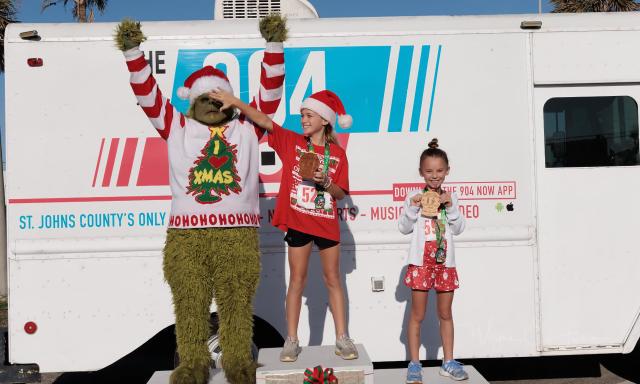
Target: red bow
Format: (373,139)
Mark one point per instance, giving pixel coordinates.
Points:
(318,376)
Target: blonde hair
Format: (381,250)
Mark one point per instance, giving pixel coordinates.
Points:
(330,135)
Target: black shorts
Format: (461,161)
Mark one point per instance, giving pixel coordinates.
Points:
(300,239)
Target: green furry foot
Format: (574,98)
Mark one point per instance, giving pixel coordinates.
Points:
(241,375)
(199,374)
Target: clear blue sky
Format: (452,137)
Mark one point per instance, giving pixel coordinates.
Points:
(30,11)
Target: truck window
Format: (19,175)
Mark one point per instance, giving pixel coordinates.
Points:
(591,131)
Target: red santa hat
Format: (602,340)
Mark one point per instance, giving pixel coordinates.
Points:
(327,104)
(204,80)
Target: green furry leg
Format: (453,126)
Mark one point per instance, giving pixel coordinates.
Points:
(197,263)
(188,269)
(236,279)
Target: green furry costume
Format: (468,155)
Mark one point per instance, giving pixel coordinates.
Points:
(224,264)
(211,262)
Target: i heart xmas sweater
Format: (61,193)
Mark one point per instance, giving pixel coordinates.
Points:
(213,171)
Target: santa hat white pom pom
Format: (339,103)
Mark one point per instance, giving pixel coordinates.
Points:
(345,121)
(183,93)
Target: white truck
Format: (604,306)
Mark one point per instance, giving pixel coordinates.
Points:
(538,113)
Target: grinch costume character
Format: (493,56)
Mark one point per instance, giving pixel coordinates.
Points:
(211,248)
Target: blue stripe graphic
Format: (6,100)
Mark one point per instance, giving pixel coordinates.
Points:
(422,76)
(400,88)
(433,90)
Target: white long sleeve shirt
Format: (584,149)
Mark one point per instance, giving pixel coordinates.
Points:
(412,222)
(213,171)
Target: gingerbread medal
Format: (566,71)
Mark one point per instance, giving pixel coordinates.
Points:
(430,203)
(309,163)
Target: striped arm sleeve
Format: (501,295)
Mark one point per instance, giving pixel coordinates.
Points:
(157,108)
(271,82)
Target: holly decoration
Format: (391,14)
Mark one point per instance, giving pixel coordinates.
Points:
(214,173)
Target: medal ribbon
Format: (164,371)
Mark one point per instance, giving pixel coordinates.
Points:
(325,168)
(440,224)
(326,153)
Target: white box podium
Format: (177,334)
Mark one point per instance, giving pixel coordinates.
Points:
(429,376)
(162,377)
(360,371)
(272,371)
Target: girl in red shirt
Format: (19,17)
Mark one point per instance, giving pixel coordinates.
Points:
(315,176)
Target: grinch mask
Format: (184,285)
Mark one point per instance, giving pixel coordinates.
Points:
(207,111)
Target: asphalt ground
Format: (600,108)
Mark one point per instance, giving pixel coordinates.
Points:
(139,366)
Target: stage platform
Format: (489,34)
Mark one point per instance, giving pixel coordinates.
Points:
(359,371)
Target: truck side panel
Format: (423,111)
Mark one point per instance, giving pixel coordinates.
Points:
(88,199)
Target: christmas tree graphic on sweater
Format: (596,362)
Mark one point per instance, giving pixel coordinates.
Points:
(214,173)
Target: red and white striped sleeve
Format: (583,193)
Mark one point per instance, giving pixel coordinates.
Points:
(271,82)
(158,109)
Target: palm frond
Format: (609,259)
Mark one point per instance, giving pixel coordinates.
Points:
(81,12)
(7,15)
(100,5)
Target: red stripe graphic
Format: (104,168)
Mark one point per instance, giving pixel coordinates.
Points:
(113,149)
(127,162)
(51,200)
(88,199)
(379,192)
(154,168)
(95,174)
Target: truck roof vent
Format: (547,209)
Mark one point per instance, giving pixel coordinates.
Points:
(253,9)
(249,9)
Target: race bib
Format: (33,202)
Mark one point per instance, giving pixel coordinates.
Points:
(307,197)
(430,230)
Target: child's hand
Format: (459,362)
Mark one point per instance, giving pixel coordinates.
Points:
(416,200)
(320,177)
(445,198)
(226,98)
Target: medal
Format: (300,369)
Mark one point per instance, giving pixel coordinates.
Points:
(319,201)
(431,207)
(309,164)
(430,203)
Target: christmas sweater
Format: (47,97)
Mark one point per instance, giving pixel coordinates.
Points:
(412,222)
(213,171)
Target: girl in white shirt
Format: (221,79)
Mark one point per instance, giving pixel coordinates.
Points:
(431,258)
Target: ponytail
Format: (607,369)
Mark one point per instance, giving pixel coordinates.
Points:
(434,151)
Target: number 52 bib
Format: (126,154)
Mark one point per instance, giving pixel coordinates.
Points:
(307,197)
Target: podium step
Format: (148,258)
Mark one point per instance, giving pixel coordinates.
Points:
(380,376)
(429,375)
(273,371)
(360,371)
(162,377)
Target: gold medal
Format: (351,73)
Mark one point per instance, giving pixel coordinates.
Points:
(430,203)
